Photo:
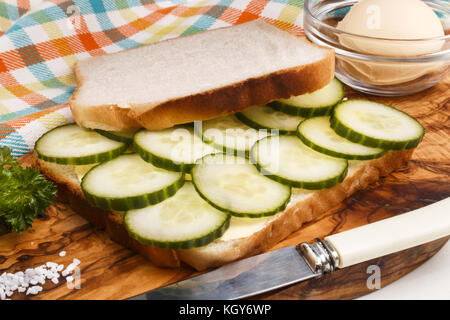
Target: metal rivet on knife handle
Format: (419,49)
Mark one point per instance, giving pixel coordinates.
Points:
(334,256)
(320,255)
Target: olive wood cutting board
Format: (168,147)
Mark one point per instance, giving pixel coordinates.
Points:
(109,271)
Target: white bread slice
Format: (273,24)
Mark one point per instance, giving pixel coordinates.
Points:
(197,77)
(245,237)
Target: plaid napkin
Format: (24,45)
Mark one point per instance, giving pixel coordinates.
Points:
(41,40)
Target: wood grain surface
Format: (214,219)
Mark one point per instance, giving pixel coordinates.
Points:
(109,271)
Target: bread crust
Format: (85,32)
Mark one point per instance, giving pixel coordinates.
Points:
(238,96)
(220,252)
(208,104)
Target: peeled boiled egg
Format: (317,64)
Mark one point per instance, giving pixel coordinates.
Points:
(392,19)
(390,28)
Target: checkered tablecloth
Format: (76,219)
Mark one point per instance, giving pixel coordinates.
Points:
(41,40)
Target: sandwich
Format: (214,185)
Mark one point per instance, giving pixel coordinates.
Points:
(209,148)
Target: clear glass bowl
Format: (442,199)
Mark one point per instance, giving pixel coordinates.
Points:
(379,74)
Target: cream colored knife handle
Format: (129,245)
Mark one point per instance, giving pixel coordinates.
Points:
(393,234)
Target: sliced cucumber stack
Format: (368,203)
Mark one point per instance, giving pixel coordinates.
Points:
(287,160)
(265,117)
(184,221)
(230,135)
(71,144)
(128,182)
(317,134)
(174,149)
(233,185)
(376,125)
(317,103)
(121,136)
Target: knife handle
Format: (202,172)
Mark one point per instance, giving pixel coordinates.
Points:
(391,235)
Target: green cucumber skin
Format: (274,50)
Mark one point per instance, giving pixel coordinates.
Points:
(255,125)
(335,154)
(356,137)
(221,148)
(244,214)
(317,185)
(114,137)
(236,213)
(100,157)
(308,112)
(187,244)
(161,162)
(134,202)
(302,112)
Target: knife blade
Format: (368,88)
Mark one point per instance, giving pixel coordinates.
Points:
(240,279)
(293,264)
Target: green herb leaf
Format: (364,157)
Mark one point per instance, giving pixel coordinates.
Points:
(24,193)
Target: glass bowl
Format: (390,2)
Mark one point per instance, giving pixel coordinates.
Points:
(360,62)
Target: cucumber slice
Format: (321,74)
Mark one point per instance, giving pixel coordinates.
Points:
(317,134)
(317,103)
(376,125)
(71,144)
(265,117)
(287,160)
(121,136)
(184,221)
(235,186)
(230,135)
(174,149)
(128,182)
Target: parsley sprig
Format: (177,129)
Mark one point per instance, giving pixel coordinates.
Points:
(24,193)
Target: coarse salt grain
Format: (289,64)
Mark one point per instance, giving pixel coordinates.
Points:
(34,290)
(62,253)
(27,281)
(69,269)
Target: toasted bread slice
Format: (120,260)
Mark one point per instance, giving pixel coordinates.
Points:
(197,77)
(245,236)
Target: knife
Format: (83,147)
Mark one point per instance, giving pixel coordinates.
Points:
(289,265)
